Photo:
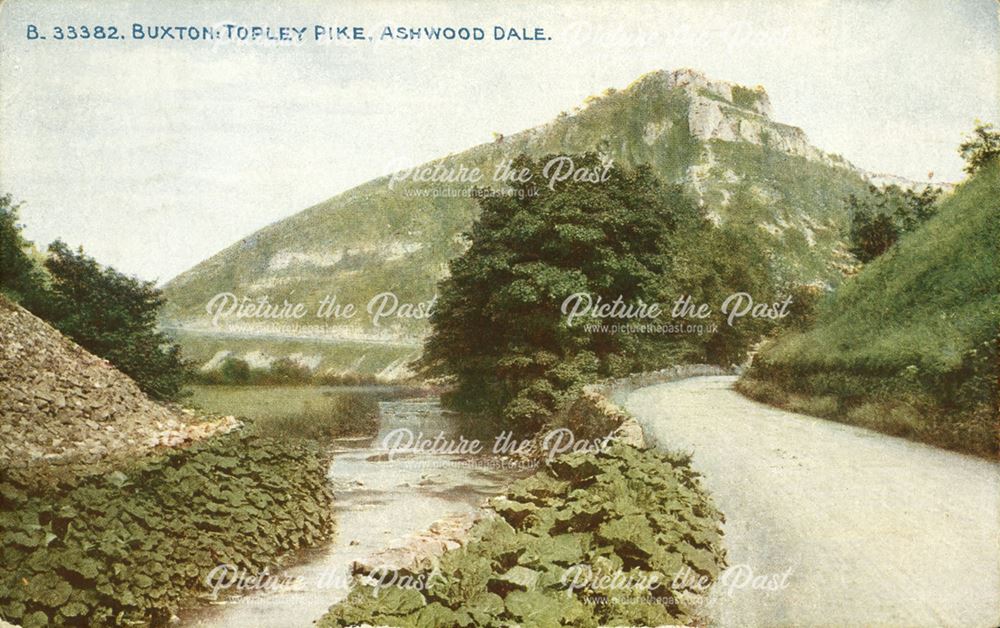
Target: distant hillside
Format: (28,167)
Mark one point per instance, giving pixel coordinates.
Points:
(715,138)
(909,345)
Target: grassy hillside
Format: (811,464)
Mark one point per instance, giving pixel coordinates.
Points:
(908,346)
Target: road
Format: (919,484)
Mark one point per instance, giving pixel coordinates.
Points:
(847,527)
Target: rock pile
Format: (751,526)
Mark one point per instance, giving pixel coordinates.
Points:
(62,406)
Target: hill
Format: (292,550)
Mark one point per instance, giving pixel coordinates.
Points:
(395,234)
(909,345)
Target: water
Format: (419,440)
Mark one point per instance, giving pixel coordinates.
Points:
(378,502)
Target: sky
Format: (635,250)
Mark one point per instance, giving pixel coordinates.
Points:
(153,155)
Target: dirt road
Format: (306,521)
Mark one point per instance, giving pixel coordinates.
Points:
(845,526)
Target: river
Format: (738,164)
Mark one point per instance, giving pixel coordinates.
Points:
(378,502)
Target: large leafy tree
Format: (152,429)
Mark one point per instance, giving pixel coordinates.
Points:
(498,327)
(113,316)
(109,314)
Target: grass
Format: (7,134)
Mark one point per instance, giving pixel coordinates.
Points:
(296,412)
(909,345)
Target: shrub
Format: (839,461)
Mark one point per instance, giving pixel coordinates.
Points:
(133,545)
(746,97)
(982,147)
(881,218)
(234,371)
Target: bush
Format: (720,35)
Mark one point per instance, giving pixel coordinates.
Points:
(134,545)
(881,218)
(746,97)
(641,512)
(234,371)
(982,147)
(287,371)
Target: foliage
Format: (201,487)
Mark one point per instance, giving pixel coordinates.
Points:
(641,512)
(804,311)
(879,219)
(295,412)
(981,148)
(715,263)
(747,97)
(131,546)
(341,415)
(234,371)
(918,327)
(498,327)
(776,188)
(111,315)
(21,278)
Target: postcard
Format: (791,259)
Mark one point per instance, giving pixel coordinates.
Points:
(535,314)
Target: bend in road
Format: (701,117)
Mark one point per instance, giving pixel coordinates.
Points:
(849,527)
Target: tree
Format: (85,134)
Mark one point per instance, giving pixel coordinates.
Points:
(113,316)
(879,220)
(718,262)
(109,314)
(21,279)
(872,234)
(498,328)
(981,148)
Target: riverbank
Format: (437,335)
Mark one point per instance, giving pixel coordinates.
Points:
(113,507)
(624,535)
(383,504)
(135,544)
